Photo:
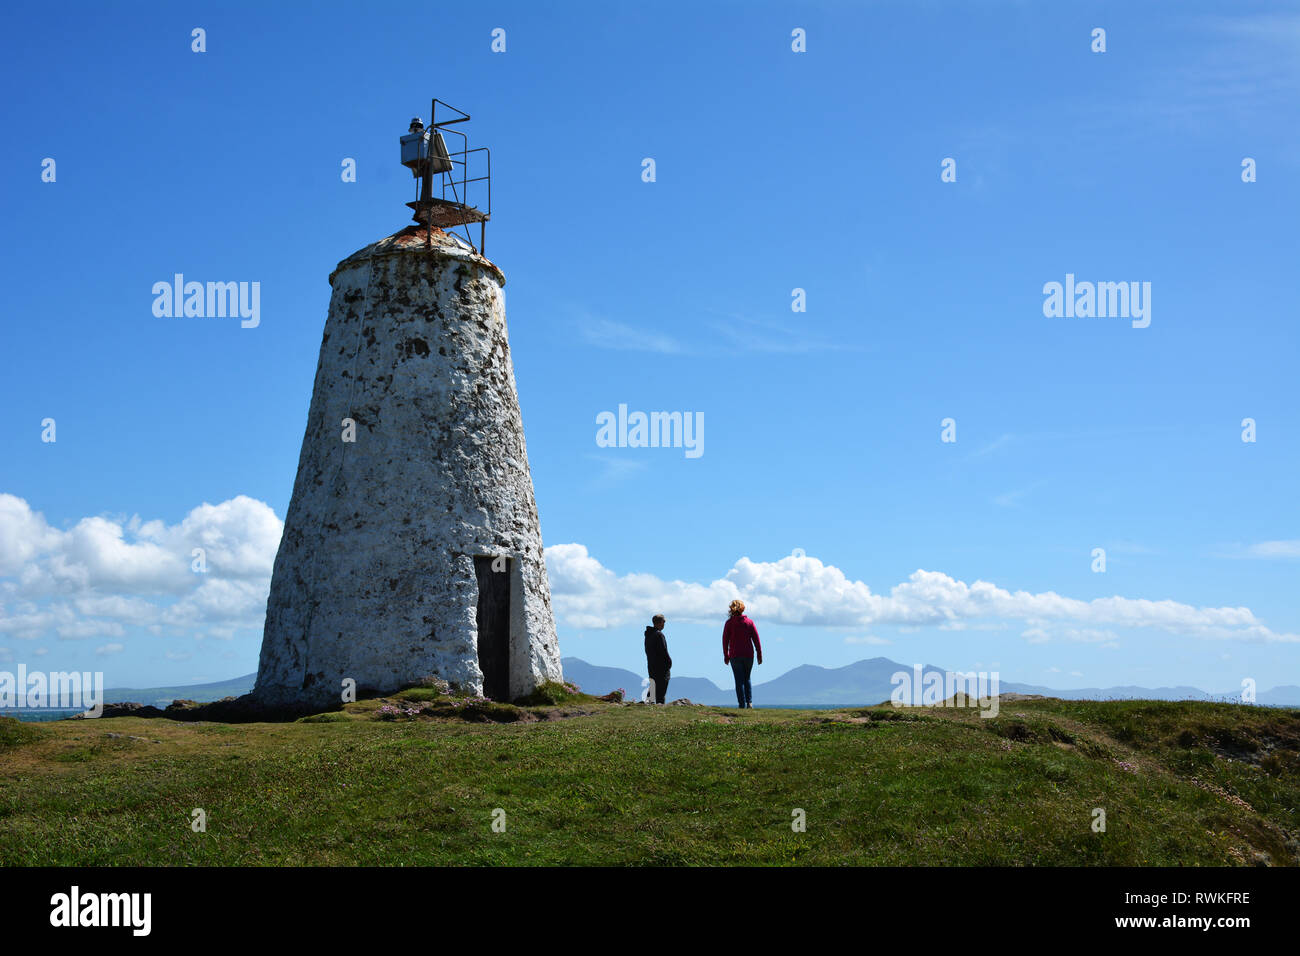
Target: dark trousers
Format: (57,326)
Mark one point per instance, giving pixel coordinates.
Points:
(660,682)
(740,668)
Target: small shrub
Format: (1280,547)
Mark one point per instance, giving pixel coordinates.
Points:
(432,683)
(1281,762)
(1125,733)
(15,733)
(1234,743)
(891,713)
(1093,749)
(395,712)
(1190,762)
(550,693)
(1055,772)
(423,694)
(488,711)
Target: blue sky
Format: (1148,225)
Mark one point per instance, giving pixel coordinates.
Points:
(775,170)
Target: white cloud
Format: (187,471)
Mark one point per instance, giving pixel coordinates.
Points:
(107,649)
(801,590)
(25,534)
(100,555)
(1086,635)
(105,574)
(81,629)
(1275,549)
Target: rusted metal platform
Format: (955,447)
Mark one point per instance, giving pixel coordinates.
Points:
(444,213)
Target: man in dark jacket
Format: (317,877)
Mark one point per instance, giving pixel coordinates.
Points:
(657,661)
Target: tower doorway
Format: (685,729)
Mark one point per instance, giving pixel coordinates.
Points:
(494,624)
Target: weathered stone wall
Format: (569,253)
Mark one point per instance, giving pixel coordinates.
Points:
(374,579)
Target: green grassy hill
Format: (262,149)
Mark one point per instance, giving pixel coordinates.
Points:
(585,781)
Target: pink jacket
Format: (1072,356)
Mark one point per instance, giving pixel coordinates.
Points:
(740,638)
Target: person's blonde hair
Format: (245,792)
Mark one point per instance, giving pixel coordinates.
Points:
(737,606)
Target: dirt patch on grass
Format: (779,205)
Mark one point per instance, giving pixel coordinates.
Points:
(564,713)
(872,718)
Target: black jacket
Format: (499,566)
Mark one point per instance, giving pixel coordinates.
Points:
(657,660)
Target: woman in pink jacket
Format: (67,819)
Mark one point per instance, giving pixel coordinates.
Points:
(739,645)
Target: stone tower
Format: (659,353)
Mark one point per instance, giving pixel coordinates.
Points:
(411,545)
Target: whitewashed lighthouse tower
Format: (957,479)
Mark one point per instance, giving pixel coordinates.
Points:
(411,546)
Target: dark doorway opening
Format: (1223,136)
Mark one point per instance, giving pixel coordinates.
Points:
(493,575)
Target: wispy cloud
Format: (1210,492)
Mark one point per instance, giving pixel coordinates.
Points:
(611,469)
(722,333)
(1272,549)
(1275,550)
(989,447)
(608,334)
(1233,68)
(1129,547)
(1010,499)
(764,335)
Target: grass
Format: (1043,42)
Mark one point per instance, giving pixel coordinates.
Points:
(583,781)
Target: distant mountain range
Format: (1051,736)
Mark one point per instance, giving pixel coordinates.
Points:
(162,696)
(863,682)
(157,696)
(869,682)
